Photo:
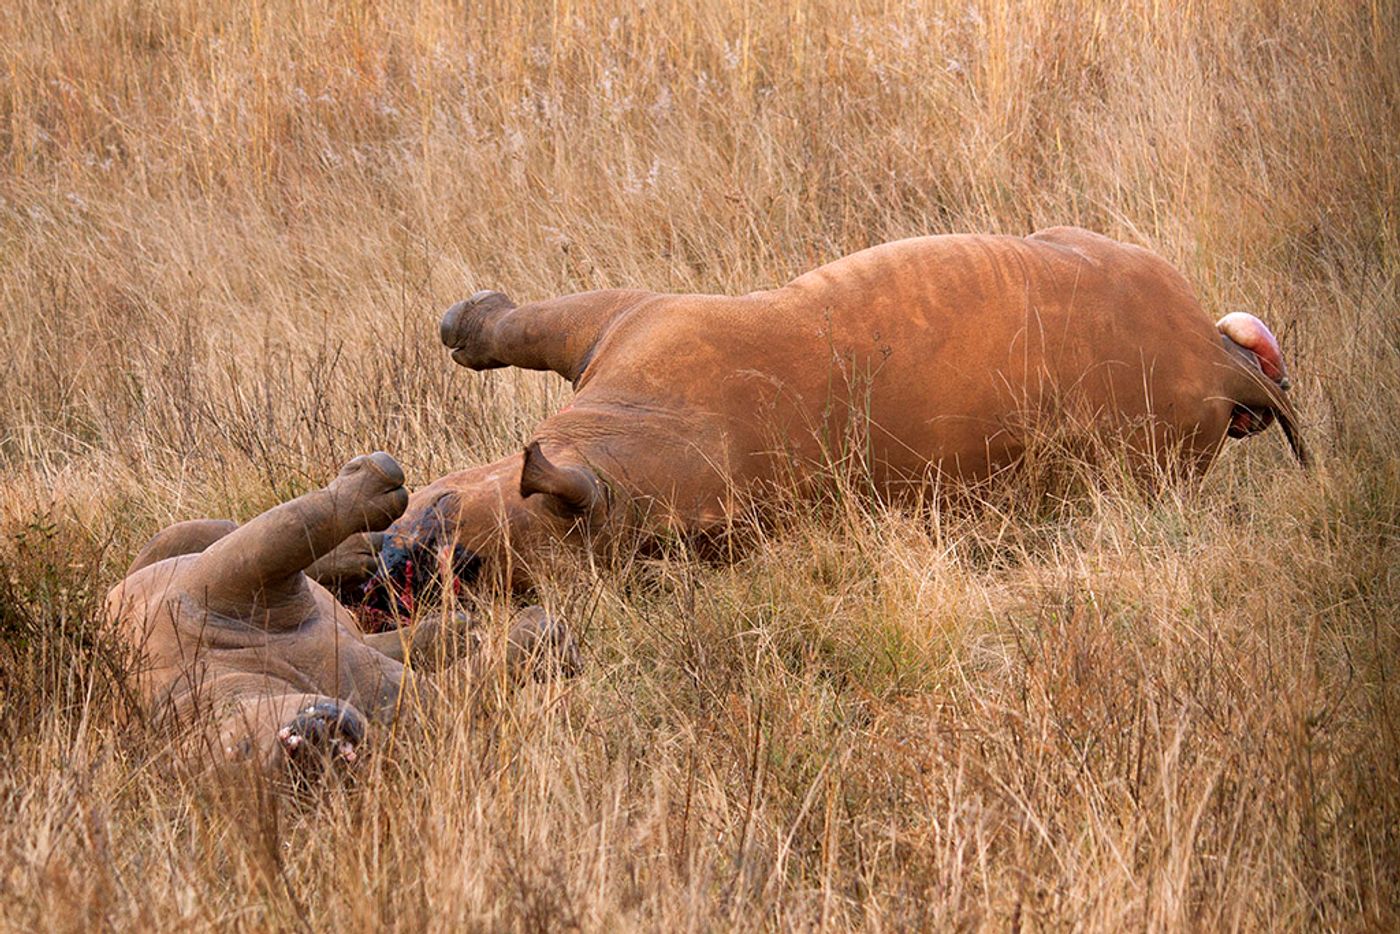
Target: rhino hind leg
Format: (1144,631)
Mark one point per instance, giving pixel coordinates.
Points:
(343,571)
(430,642)
(270,551)
(182,538)
(349,566)
(488,330)
(541,646)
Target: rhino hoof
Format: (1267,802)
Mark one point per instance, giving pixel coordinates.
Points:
(375,484)
(541,646)
(377,469)
(321,735)
(462,325)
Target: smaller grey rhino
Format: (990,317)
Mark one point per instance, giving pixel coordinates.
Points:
(245,650)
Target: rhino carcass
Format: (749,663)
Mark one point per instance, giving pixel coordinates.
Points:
(940,356)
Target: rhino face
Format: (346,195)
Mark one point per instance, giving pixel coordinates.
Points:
(419,555)
(461,528)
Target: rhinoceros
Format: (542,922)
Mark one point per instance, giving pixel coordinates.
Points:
(248,659)
(941,356)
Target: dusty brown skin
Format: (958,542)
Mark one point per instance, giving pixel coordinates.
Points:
(252,660)
(934,358)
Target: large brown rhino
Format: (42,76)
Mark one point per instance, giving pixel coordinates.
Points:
(931,359)
(248,659)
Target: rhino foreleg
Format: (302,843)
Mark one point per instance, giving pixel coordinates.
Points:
(267,553)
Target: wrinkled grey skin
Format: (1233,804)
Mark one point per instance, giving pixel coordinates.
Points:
(347,566)
(254,660)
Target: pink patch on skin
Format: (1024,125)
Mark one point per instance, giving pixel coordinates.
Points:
(1250,333)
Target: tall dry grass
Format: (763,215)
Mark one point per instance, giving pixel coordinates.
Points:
(226,231)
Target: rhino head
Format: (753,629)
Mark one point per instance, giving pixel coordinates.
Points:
(486,523)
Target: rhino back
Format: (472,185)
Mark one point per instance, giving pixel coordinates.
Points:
(929,346)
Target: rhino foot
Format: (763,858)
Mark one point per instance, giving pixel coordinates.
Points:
(371,490)
(464,325)
(321,735)
(541,646)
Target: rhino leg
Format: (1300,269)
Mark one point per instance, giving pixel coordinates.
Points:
(429,643)
(182,538)
(321,734)
(538,645)
(488,330)
(349,565)
(541,646)
(269,552)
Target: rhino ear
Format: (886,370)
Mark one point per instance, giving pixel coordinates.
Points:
(576,487)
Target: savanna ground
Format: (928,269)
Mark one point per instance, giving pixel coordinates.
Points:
(226,232)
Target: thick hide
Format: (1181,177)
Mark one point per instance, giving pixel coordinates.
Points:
(926,360)
(248,659)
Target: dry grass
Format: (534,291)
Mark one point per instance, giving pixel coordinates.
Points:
(226,231)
